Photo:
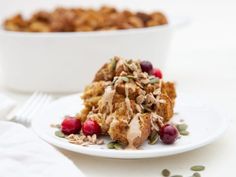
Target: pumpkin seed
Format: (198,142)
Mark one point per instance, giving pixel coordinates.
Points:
(153,80)
(153,138)
(182,127)
(59,134)
(165,173)
(117,146)
(184,133)
(131,77)
(197,168)
(113,64)
(114,145)
(125,79)
(56,126)
(196,174)
(110,145)
(177,176)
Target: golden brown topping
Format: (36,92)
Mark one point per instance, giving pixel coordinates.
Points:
(82,19)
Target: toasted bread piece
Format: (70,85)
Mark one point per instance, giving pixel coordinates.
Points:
(118,130)
(165,108)
(132,134)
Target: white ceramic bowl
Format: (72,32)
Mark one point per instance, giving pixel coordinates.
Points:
(66,62)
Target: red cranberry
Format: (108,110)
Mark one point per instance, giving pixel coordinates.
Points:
(157,73)
(168,134)
(146,66)
(91,127)
(70,125)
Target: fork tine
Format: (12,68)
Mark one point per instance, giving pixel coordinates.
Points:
(45,100)
(25,106)
(33,105)
(30,107)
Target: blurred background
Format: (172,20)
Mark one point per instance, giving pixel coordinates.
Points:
(208,41)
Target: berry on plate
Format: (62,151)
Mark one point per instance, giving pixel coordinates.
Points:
(168,134)
(91,127)
(70,125)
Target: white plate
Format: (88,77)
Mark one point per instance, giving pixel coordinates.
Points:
(205,126)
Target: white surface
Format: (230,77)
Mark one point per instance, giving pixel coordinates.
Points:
(200,134)
(6,105)
(24,154)
(40,61)
(202,62)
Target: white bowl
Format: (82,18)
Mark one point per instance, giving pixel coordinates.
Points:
(66,62)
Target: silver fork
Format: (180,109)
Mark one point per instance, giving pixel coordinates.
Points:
(33,105)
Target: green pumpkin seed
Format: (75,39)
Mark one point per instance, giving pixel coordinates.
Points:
(197,168)
(110,145)
(153,80)
(125,79)
(184,133)
(56,126)
(182,127)
(153,138)
(113,64)
(177,176)
(196,174)
(114,145)
(59,134)
(165,173)
(131,77)
(117,146)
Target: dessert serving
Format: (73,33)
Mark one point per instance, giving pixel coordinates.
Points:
(82,19)
(129,102)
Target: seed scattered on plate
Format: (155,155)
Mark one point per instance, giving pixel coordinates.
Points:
(55,126)
(184,133)
(182,127)
(197,168)
(165,173)
(59,134)
(196,174)
(114,145)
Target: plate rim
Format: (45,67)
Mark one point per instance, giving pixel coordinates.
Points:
(131,154)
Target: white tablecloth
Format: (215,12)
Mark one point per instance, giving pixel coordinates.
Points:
(203,63)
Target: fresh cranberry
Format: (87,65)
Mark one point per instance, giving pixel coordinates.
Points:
(146,66)
(157,73)
(91,127)
(168,134)
(70,125)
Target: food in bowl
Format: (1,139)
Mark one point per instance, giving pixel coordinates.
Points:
(82,19)
(129,102)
